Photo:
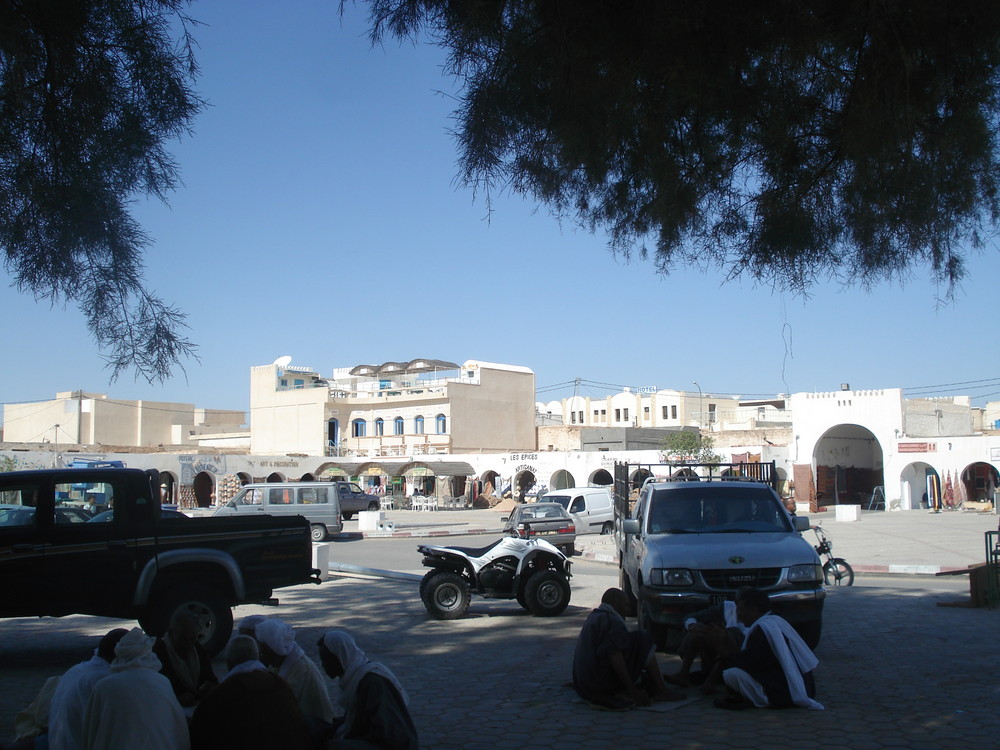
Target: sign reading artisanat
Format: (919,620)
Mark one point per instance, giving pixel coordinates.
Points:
(917,447)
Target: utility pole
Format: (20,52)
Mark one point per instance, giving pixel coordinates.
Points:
(701,404)
(55,444)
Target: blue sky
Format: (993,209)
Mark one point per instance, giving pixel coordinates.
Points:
(320,218)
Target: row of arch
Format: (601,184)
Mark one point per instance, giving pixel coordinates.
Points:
(359,427)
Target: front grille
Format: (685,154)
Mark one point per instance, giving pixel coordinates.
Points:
(733,578)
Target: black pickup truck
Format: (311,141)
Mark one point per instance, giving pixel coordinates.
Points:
(136,562)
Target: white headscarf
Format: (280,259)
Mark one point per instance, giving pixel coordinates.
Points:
(135,651)
(278,636)
(356,666)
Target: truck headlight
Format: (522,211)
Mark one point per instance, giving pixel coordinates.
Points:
(805,574)
(671,577)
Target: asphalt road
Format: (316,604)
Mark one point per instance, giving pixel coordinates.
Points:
(896,670)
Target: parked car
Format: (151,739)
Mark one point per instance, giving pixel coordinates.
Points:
(316,501)
(22,515)
(354,500)
(108,516)
(538,520)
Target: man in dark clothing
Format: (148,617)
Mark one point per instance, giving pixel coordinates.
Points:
(774,668)
(252,709)
(610,661)
(698,641)
(376,713)
(185,662)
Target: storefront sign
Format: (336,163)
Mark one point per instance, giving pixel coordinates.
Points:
(917,447)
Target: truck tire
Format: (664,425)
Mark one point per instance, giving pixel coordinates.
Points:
(546,593)
(374,505)
(347,515)
(810,632)
(656,631)
(626,585)
(215,617)
(445,595)
(317,532)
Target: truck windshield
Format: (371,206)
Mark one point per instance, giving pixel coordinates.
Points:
(716,510)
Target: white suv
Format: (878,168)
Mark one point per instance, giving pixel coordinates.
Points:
(691,544)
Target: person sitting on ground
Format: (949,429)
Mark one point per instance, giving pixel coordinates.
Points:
(251,709)
(69,703)
(185,662)
(248,625)
(615,669)
(698,642)
(135,706)
(376,713)
(280,652)
(774,668)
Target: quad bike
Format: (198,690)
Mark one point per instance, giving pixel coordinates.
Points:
(533,572)
(836,570)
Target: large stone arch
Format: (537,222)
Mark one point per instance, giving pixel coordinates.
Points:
(561,480)
(168,488)
(204,489)
(848,464)
(913,485)
(979,482)
(601,478)
(524,480)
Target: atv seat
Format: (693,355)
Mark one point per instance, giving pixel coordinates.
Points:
(477,551)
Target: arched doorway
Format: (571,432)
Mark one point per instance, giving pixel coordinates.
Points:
(848,461)
(638,477)
(979,482)
(523,482)
(168,488)
(244,478)
(913,485)
(307,477)
(275,477)
(601,478)
(204,489)
(332,437)
(562,480)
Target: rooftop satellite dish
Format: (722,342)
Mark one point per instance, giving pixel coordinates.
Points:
(283,361)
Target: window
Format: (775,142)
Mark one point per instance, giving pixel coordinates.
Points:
(596,413)
(313,495)
(665,413)
(581,417)
(280,495)
(618,415)
(418,425)
(572,417)
(298,383)
(673,411)
(284,382)
(359,428)
(626,415)
(442,424)
(397,426)
(380,427)
(711,412)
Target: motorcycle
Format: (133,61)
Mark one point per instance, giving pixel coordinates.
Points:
(836,570)
(532,571)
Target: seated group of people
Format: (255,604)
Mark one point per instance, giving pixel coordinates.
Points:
(142,692)
(758,655)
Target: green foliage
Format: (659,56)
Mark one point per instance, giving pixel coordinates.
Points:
(7,463)
(790,141)
(686,445)
(90,90)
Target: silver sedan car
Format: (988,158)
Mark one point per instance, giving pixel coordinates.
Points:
(548,521)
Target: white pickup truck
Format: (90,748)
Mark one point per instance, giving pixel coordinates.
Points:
(691,544)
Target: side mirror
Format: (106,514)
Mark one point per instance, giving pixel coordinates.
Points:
(505,519)
(631,526)
(801,523)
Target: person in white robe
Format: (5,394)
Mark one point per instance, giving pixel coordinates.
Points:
(280,652)
(69,703)
(135,706)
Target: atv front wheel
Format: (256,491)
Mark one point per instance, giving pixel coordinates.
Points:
(546,593)
(445,595)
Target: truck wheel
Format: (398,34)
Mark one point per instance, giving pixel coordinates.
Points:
(373,505)
(569,549)
(347,515)
(546,593)
(446,595)
(626,585)
(656,631)
(215,617)
(317,532)
(607,528)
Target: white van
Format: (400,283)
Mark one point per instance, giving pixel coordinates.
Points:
(590,507)
(317,501)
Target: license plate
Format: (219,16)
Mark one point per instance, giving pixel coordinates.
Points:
(716,599)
